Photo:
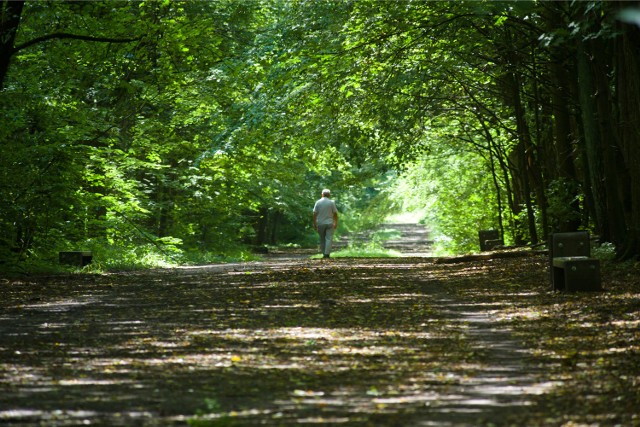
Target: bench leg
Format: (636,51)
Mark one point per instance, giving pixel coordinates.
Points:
(557,279)
(579,275)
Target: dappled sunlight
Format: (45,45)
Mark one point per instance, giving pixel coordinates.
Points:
(349,341)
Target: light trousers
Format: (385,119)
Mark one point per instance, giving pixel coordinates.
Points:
(326,237)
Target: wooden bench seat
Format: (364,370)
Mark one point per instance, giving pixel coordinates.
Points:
(76,258)
(489,239)
(576,273)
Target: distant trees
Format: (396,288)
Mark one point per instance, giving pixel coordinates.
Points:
(543,92)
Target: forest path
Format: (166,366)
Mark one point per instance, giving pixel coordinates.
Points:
(408,239)
(412,240)
(358,342)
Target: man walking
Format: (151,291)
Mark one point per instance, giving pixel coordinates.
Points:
(325,220)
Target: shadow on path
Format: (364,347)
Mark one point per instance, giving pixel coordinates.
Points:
(507,379)
(383,342)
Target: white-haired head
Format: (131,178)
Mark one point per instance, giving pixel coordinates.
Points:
(326,192)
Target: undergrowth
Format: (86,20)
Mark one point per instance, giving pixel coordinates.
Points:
(116,257)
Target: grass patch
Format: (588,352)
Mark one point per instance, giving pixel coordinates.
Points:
(413,217)
(365,250)
(110,258)
(141,258)
(368,245)
(386,234)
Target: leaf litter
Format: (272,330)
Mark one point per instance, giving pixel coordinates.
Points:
(356,342)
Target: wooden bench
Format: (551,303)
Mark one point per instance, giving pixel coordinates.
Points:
(489,239)
(571,266)
(76,258)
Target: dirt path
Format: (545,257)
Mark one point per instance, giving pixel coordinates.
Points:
(414,240)
(410,240)
(281,342)
(376,342)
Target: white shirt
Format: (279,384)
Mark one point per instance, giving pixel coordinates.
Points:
(325,208)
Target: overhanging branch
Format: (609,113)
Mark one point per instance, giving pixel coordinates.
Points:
(72,36)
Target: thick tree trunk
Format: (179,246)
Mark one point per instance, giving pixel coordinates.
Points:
(10,12)
(538,167)
(628,99)
(556,132)
(505,170)
(560,90)
(564,156)
(525,157)
(592,141)
(521,196)
(613,166)
(560,97)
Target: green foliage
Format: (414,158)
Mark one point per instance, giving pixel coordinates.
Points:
(564,198)
(140,153)
(370,249)
(454,191)
(368,218)
(195,126)
(125,258)
(386,234)
(605,251)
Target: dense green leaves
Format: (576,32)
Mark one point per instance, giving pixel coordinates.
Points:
(206,124)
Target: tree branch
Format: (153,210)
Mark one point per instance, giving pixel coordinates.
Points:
(71,36)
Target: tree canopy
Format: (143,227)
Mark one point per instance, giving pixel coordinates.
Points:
(193,127)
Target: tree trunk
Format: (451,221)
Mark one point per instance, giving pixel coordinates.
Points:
(563,154)
(627,55)
(613,165)
(561,96)
(539,152)
(592,140)
(261,226)
(10,11)
(520,196)
(524,156)
(274,225)
(496,184)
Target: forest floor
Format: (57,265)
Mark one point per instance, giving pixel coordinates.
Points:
(410,341)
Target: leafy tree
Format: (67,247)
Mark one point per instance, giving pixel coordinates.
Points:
(197,125)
